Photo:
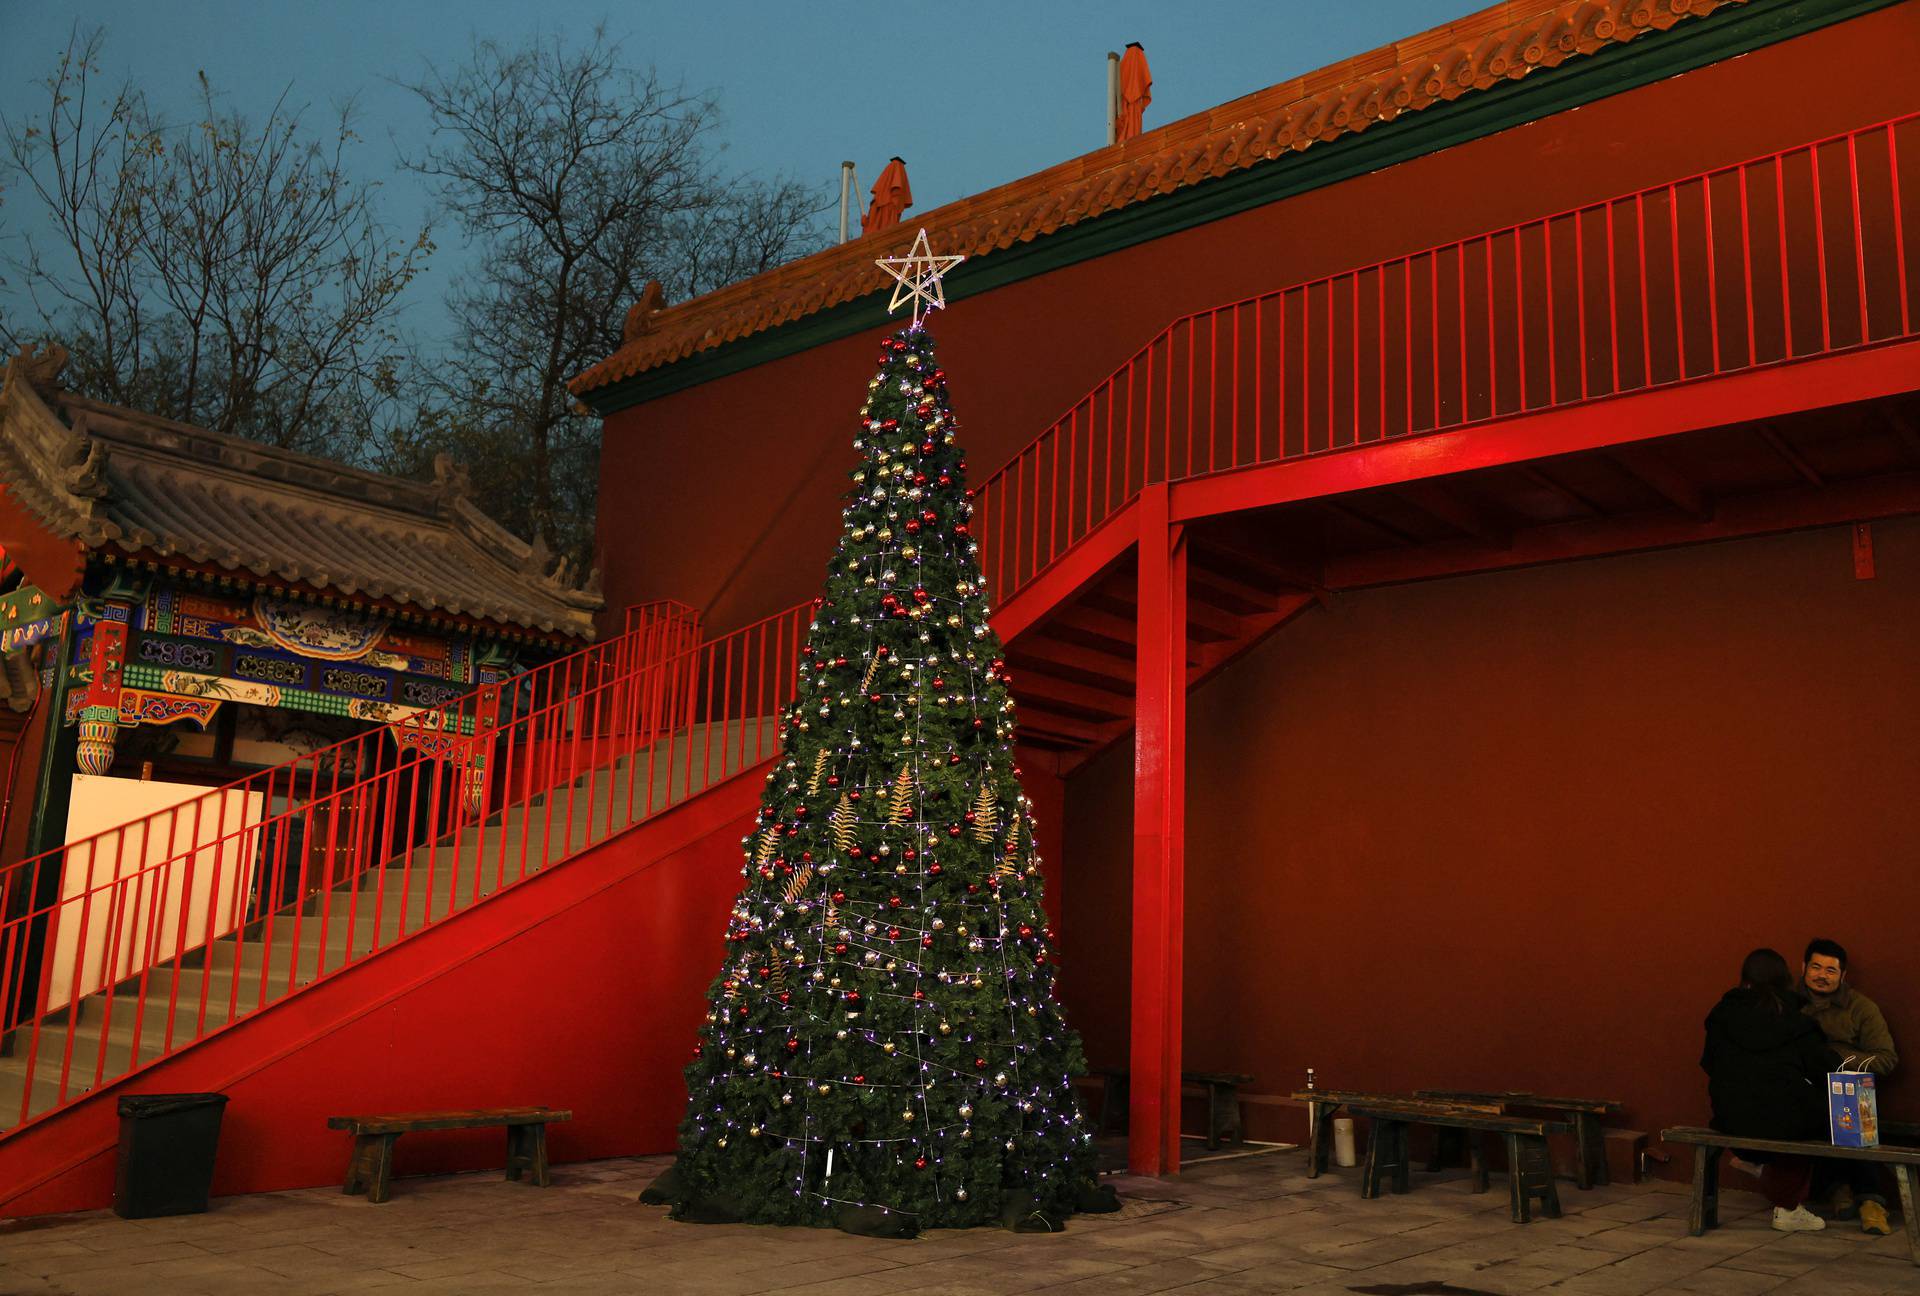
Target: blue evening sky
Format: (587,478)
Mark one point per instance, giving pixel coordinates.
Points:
(970,94)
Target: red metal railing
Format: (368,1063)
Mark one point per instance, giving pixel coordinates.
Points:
(123,947)
(1794,254)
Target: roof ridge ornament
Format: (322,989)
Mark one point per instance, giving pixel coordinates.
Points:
(44,366)
(451,480)
(918,276)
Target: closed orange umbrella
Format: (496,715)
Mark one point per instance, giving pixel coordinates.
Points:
(891,198)
(1136,91)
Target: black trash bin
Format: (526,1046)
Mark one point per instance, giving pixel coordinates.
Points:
(167,1142)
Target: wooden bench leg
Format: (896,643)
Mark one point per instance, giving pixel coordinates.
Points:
(380,1170)
(1223,1115)
(1590,1152)
(517,1158)
(1386,1158)
(1703,1208)
(1378,1154)
(1903,1175)
(1517,1199)
(359,1165)
(537,1149)
(1477,1154)
(1538,1158)
(1319,1138)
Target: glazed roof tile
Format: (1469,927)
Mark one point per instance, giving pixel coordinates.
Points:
(116,479)
(1504,42)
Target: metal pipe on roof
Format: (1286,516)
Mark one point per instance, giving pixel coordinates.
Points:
(1113,96)
(848,185)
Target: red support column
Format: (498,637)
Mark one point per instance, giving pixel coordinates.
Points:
(1159,836)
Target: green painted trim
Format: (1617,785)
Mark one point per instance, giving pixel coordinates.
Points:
(53,784)
(1684,47)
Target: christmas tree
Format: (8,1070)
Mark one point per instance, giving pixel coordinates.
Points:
(882,1050)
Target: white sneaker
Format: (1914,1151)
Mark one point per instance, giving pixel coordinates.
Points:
(1797,1220)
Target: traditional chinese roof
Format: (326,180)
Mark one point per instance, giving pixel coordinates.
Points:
(1499,44)
(118,481)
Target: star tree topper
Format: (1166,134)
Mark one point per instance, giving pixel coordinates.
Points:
(918,274)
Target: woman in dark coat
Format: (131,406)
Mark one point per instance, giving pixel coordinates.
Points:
(1766,1064)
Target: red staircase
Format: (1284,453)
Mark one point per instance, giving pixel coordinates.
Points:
(128,946)
(1484,403)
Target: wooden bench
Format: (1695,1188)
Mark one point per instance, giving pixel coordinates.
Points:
(1223,1102)
(1529,1167)
(1590,1164)
(371,1168)
(1704,1211)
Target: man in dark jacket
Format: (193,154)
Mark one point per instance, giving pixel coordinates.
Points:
(1859,1040)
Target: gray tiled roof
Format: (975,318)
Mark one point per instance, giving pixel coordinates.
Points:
(114,478)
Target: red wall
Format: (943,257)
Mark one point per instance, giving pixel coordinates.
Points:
(726,495)
(1518,830)
(581,989)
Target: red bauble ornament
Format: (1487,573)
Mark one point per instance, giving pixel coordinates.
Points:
(919,1163)
(839,897)
(934,869)
(793,1046)
(980,1063)
(953,830)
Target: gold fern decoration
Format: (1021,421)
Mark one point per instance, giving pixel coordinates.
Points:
(797,884)
(1007,867)
(841,824)
(901,810)
(769,843)
(819,772)
(986,815)
(873,668)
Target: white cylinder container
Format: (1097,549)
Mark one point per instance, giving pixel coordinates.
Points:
(1343,1141)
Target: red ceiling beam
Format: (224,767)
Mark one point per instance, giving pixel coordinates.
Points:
(1652,469)
(1793,458)
(1079,658)
(1444,506)
(1896,495)
(1771,391)
(1031,688)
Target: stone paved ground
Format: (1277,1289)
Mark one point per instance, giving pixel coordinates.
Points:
(1239,1226)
